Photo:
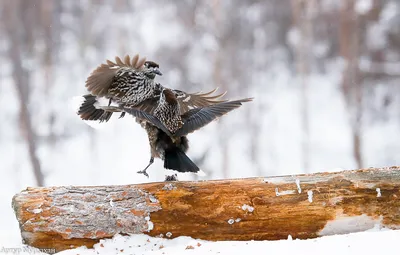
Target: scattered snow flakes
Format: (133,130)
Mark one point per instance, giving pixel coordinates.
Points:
(36,210)
(248,208)
(274,180)
(169,186)
(378,191)
(39,210)
(153,199)
(364,243)
(285,192)
(344,224)
(111,203)
(231,221)
(310,196)
(298,185)
(168,234)
(150,225)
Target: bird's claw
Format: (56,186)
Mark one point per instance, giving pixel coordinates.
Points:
(143,172)
(171,178)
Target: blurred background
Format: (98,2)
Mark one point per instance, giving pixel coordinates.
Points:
(324,73)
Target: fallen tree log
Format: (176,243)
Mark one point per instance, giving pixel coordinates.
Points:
(303,206)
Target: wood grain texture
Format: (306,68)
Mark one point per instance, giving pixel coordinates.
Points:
(303,206)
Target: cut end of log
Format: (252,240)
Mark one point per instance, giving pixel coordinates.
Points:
(302,206)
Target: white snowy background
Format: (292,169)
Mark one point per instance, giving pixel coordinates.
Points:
(325,75)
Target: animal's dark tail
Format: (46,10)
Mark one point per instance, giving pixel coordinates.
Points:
(88,111)
(176,159)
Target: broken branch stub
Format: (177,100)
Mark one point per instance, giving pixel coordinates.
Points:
(303,206)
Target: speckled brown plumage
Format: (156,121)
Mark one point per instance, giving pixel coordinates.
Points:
(167,115)
(127,82)
(130,83)
(171,146)
(168,111)
(171,151)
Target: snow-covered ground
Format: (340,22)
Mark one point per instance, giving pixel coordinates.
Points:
(371,242)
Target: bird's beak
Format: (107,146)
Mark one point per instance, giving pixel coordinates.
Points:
(157,71)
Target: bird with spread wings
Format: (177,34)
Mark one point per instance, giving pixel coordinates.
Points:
(167,115)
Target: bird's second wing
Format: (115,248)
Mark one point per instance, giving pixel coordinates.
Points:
(148,117)
(137,114)
(199,117)
(148,105)
(100,80)
(188,101)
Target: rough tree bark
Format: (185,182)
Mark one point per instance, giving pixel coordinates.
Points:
(303,206)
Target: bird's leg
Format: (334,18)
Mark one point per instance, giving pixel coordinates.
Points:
(144,170)
(109,102)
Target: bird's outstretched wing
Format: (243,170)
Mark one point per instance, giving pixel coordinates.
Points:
(148,105)
(139,115)
(189,101)
(199,117)
(100,80)
(193,119)
(186,101)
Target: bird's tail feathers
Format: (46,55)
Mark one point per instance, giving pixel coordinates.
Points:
(176,159)
(88,110)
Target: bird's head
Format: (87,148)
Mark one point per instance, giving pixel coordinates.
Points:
(151,69)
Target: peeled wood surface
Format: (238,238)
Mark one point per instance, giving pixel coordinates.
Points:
(303,206)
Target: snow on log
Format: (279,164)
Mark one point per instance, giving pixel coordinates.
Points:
(303,206)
